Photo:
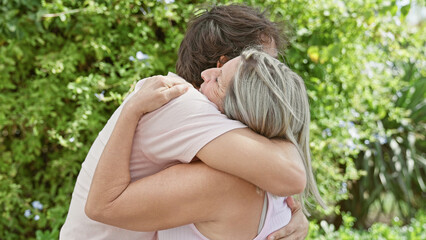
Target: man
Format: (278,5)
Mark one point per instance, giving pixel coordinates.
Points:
(212,38)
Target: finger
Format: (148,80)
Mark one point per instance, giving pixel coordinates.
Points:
(172,81)
(281,234)
(290,202)
(293,204)
(175,91)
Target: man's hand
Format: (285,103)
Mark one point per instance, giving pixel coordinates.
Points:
(298,226)
(154,93)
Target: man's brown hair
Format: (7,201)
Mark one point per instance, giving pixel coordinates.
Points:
(222,31)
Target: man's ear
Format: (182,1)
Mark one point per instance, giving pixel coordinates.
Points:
(222,60)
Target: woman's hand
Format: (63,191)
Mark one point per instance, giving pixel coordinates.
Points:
(297,228)
(154,93)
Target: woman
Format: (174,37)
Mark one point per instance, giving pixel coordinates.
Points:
(281,110)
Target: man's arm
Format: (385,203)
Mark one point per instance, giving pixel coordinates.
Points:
(176,196)
(179,195)
(167,199)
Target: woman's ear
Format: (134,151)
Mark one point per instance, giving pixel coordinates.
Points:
(222,60)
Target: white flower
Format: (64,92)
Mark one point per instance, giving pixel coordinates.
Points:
(326,132)
(131,58)
(36,217)
(100,96)
(343,188)
(27,213)
(37,205)
(141,56)
(399,94)
(382,138)
(354,113)
(72,139)
(350,144)
(353,132)
(166,1)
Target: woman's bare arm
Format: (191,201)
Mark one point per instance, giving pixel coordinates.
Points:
(273,165)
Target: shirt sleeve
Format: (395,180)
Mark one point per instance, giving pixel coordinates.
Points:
(179,129)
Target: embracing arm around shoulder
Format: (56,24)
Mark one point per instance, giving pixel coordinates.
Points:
(111,181)
(273,165)
(176,196)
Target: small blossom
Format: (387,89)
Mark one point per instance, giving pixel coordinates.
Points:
(141,56)
(343,188)
(342,123)
(326,132)
(71,139)
(169,1)
(382,139)
(366,142)
(402,3)
(354,113)
(350,144)
(37,205)
(353,132)
(36,217)
(132,59)
(100,96)
(27,213)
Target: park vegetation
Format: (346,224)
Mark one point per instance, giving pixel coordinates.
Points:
(65,66)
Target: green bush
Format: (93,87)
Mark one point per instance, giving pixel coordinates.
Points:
(394,231)
(66,65)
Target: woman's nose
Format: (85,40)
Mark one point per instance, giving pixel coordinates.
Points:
(208,74)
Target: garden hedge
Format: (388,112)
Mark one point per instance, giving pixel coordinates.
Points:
(66,65)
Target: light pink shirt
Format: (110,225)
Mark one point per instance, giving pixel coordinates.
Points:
(172,134)
(277,216)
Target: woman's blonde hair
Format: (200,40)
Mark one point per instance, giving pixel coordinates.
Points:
(272,100)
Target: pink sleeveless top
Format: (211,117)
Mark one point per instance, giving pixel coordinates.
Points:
(277,216)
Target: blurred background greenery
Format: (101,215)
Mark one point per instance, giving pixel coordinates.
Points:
(66,65)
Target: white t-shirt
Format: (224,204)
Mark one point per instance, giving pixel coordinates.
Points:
(172,134)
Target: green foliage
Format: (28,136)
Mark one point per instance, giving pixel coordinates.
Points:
(394,231)
(66,65)
(62,75)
